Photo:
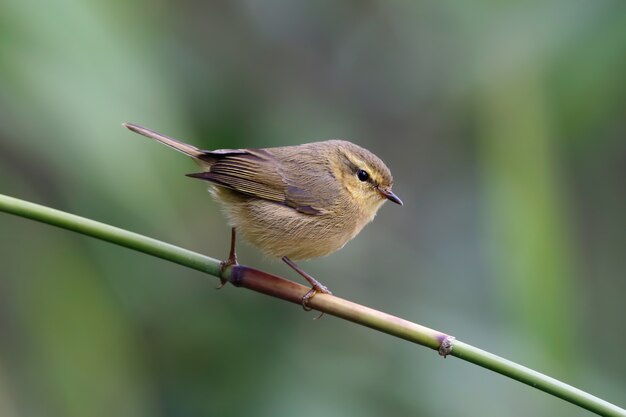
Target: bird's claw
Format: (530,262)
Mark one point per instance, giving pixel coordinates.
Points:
(309,295)
(231,261)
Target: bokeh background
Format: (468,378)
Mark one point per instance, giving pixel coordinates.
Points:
(504,124)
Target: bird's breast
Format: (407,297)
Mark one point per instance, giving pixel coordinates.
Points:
(278,230)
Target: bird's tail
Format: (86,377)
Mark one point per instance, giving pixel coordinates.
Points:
(166,140)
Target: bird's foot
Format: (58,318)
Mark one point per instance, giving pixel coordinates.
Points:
(316,286)
(231,261)
(314,290)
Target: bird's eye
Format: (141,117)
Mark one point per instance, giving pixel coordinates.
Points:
(362,175)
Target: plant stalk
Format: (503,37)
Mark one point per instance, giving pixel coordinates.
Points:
(278,287)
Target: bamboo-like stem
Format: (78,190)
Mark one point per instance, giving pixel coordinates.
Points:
(278,287)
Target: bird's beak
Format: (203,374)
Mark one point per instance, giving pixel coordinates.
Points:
(389,195)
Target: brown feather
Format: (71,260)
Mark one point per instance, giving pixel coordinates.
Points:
(258,173)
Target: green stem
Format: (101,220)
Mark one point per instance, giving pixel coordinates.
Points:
(279,287)
(111,234)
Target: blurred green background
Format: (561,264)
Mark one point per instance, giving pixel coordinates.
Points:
(504,124)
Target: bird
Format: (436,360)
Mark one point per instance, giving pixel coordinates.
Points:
(292,202)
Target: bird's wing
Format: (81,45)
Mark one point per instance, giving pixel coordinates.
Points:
(257,173)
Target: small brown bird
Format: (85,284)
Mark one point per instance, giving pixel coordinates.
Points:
(292,202)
